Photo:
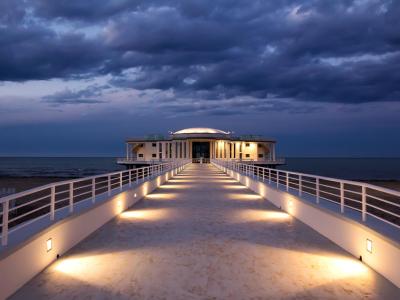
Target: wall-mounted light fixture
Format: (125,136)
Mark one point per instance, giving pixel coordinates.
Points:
(134,195)
(49,244)
(369,245)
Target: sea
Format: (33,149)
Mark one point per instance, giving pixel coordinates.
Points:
(71,167)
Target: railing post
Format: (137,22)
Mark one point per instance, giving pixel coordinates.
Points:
(109,185)
(52,202)
(137,176)
(300,185)
(130,178)
(120,181)
(317,189)
(4,232)
(71,197)
(269,175)
(287,181)
(364,203)
(341,197)
(93,190)
(263,174)
(277,179)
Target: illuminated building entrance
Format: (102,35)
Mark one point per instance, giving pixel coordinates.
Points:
(201,150)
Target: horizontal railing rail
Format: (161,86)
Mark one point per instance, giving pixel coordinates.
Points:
(368,199)
(122,160)
(276,161)
(21,209)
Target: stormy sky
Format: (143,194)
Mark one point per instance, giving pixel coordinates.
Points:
(321,77)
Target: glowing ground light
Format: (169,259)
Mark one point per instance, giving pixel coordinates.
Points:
(344,267)
(233,186)
(176,186)
(71,265)
(244,197)
(49,244)
(145,214)
(179,180)
(369,245)
(88,268)
(161,196)
(260,215)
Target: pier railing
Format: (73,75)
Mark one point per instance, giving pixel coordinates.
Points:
(21,209)
(367,199)
(276,161)
(124,160)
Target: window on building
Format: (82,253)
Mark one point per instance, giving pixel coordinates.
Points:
(247,155)
(260,155)
(140,155)
(154,155)
(247,144)
(154,144)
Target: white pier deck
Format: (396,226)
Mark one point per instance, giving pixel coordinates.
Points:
(204,236)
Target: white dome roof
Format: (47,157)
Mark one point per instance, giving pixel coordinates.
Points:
(200,130)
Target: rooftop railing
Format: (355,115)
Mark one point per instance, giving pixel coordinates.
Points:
(367,199)
(22,209)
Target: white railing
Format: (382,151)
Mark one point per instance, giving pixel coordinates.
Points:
(277,161)
(21,209)
(369,200)
(124,160)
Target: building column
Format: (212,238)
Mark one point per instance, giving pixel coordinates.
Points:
(213,143)
(273,152)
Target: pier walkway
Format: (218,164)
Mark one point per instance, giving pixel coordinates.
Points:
(202,235)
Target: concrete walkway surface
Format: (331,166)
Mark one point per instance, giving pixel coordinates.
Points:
(202,235)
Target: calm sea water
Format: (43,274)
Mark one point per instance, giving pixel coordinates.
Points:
(346,168)
(56,166)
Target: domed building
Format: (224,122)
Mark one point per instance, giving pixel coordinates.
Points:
(200,144)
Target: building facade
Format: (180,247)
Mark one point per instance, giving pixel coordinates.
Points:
(200,145)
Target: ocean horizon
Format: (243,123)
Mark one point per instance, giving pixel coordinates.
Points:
(352,168)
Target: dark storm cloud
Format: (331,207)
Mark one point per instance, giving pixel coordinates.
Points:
(85,96)
(319,51)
